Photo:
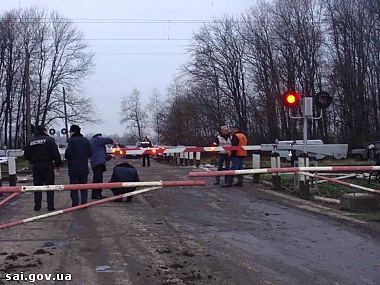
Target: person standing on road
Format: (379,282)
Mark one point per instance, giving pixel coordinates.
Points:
(223,139)
(371,152)
(43,154)
(145,144)
(98,161)
(237,156)
(124,172)
(77,153)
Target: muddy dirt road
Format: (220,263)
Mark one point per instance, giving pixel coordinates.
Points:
(188,235)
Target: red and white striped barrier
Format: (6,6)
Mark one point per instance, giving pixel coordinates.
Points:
(165,150)
(55,213)
(10,197)
(20,189)
(340,182)
(159,185)
(286,170)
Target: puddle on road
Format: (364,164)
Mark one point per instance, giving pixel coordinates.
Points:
(108,269)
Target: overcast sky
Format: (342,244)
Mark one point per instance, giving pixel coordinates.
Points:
(131,54)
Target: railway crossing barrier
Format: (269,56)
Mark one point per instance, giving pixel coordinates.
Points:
(11,160)
(303,171)
(153,185)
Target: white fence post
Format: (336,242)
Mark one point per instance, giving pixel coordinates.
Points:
(12,170)
(256,165)
(198,159)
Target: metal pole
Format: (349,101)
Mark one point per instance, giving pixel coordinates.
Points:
(27,95)
(65,110)
(305,133)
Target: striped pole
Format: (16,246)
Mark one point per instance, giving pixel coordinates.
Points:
(164,150)
(71,209)
(163,184)
(341,182)
(19,189)
(10,197)
(285,170)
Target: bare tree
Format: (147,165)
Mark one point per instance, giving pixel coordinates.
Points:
(133,114)
(47,51)
(354,29)
(218,57)
(157,113)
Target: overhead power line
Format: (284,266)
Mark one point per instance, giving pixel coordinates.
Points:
(122,21)
(142,53)
(140,21)
(135,39)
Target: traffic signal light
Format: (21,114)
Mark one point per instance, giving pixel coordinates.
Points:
(291,99)
(322,100)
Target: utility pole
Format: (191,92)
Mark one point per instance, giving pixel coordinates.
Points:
(65,110)
(27,95)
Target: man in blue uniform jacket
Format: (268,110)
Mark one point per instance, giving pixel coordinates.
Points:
(124,172)
(98,161)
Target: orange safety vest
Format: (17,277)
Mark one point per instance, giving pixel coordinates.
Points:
(242,142)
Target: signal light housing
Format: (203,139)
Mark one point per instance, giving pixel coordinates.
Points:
(290,99)
(323,100)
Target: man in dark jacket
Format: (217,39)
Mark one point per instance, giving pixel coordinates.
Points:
(43,154)
(124,172)
(77,154)
(98,161)
(146,143)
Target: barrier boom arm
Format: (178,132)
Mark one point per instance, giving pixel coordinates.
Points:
(285,170)
(20,189)
(158,185)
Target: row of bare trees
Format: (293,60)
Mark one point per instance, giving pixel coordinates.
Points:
(41,53)
(241,66)
(238,70)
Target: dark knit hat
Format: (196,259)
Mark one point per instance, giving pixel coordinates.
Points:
(40,129)
(75,129)
(237,127)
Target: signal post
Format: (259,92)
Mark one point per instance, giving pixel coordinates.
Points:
(291,100)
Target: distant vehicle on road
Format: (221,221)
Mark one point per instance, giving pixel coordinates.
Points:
(119,151)
(362,153)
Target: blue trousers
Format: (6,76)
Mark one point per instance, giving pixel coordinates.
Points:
(237,164)
(98,178)
(78,179)
(223,159)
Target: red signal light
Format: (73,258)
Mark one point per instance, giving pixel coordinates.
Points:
(291,99)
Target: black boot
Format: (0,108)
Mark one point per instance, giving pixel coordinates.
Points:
(240,181)
(229,181)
